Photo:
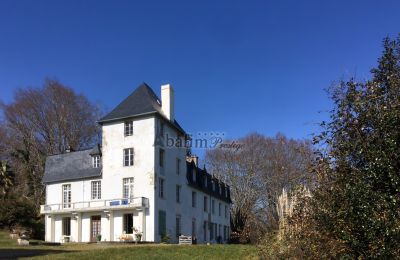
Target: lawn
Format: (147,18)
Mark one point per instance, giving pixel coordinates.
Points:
(10,249)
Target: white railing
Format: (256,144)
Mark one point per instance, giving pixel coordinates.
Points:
(138,202)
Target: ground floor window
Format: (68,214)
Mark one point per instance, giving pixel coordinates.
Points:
(211,231)
(178,225)
(205,230)
(66,226)
(162,223)
(128,224)
(193,227)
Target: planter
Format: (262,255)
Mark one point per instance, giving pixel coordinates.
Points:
(138,238)
(98,238)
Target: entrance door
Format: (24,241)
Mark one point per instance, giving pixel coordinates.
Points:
(95,227)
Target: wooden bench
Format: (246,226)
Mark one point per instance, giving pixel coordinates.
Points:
(185,240)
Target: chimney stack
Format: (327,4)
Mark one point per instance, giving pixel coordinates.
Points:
(193,158)
(167,101)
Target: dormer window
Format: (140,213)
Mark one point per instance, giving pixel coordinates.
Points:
(96,161)
(128,128)
(194,175)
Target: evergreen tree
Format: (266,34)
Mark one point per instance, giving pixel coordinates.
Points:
(358,200)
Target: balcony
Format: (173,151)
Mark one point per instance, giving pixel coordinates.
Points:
(95,205)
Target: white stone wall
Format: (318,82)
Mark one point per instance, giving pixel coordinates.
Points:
(146,172)
(142,140)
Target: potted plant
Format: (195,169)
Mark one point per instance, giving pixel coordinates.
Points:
(98,238)
(138,234)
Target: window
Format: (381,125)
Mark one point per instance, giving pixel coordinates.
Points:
(178,166)
(220,230)
(205,181)
(66,188)
(194,199)
(162,223)
(205,231)
(96,190)
(66,226)
(162,154)
(161,129)
(96,161)
(127,188)
(205,204)
(178,194)
(219,209)
(226,211)
(194,175)
(224,232)
(193,228)
(213,206)
(211,231)
(128,128)
(128,224)
(178,225)
(213,185)
(128,157)
(161,190)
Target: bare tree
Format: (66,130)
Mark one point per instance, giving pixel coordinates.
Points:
(40,122)
(257,173)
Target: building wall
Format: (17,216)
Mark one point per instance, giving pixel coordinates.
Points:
(113,143)
(146,172)
(184,209)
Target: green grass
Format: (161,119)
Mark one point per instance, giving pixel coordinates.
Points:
(10,249)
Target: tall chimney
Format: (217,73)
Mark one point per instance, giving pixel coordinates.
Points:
(167,101)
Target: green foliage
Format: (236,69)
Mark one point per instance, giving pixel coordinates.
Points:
(358,201)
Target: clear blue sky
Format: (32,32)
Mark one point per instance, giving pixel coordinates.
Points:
(236,66)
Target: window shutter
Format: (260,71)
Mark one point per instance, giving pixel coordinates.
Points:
(162,222)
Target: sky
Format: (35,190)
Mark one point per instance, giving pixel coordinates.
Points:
(236,66)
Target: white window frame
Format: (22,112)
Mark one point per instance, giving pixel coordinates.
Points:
(66,196)
(96,161)
(96,190)
(128,157)
(128,188)
(128,128)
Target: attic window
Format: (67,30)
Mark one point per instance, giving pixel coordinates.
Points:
(96,161)
(194,175)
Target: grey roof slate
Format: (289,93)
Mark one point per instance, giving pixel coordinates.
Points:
(70,166)
(96,150)
(141,101)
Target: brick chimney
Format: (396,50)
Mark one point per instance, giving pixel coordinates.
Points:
(167,101)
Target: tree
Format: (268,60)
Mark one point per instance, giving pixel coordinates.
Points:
(355,210)
(40,122)
(257,173)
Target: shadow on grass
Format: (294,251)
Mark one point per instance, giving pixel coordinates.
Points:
(17,253)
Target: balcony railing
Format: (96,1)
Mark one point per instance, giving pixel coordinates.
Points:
(82,206)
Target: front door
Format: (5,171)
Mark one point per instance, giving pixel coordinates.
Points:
(95,228)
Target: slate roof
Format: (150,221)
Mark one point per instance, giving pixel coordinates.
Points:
(70,166)
(222,190)
(142,101)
